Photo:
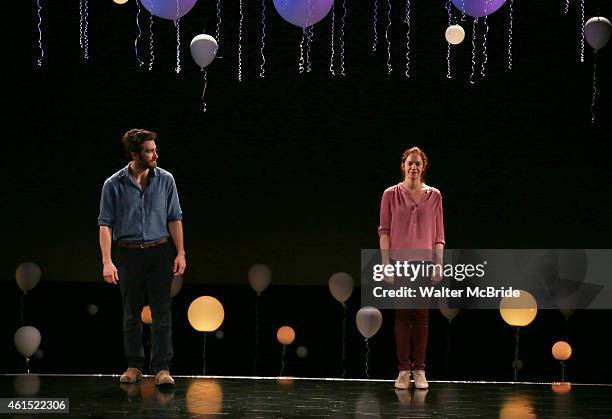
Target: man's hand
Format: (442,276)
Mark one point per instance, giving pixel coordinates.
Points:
(179,265)
(110,273)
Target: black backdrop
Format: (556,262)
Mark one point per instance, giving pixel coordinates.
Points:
(289,170)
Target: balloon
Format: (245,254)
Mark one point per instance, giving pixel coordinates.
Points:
(27,340)
(301,351)
(567,312)
(205,314)
(454,34)
(120,1)
(176,285)
(203,49)
(518,365)
(38,354)
(449,313)
(219,334)
(597,32)
(478,8)
(166,9)
(145,315)
(303,13)
(341,286)
(92,309)
(285,335)
(27,276)
(259,277)
(369,320)
(561,351)
(518,311)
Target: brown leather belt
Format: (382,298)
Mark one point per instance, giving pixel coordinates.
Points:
(138,245)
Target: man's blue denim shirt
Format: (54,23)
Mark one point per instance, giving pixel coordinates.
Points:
(137,216)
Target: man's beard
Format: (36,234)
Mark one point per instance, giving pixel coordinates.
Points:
(143,164)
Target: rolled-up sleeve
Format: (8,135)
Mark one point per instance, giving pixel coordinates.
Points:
(385,214)
(439,235)
(174,206)
(108,206)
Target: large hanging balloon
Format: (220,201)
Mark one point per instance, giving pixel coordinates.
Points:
(519,311)
(561,351)
(27,340)
(205,314)
(478,8)
(259,277)
(27,276)
(597,32)
(303,13)
(166,9)
(369,320)
(341,286)
(203,49)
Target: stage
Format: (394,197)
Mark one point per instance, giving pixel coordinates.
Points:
(102,396)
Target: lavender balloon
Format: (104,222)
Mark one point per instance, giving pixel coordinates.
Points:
(478,8)
(166,9)
(303,13)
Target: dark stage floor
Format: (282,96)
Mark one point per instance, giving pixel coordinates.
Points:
(103,397)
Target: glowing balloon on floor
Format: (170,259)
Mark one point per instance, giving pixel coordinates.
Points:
(205,314)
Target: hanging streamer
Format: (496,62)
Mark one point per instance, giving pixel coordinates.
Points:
(473,50)
(136,50)
(309,37)
(581,31)
(39,60)
(463,10)
(510,36)
(301,59)
(240,41)
(177,24)
(566,10)
(594,97)
(81,24)
(151,49)
(407,21)
(333,24)
(375,26)
(204,91)
(344,12)
(262,70)
(448,45)
(218,26)
(484,42)
(389,67)
(86,29)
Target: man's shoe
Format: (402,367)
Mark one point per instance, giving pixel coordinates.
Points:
(163,378)
(420,382)
(403,380)
(131,375)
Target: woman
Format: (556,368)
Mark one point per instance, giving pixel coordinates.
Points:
(411,217)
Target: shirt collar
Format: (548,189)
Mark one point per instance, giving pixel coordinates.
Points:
(125,172)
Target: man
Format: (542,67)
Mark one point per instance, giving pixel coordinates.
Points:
(139,208)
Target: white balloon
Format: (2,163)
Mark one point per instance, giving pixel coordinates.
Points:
(341,286)
(259,277)
(120,1)
(369,320)
(27,340)
(203,49)
(597,32)
(219,334)
(92,309)
(454,34)
(27,276)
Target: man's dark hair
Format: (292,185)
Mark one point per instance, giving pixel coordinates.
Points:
(133,139)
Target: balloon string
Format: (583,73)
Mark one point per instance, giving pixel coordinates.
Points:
(594,97)
(367,359)
(40,43)
(343,339)
(22,309)
(463,10)
(484,42)
(204,91)
(86,29)
(177,23)
(516,354)
(389,67)
(510,36)
(309,35)
(282,371)
(473,51)
(262,71)
(240,41)
(562,371)
(344,12)
(151,49)
(331,58)
(566,10)
(301,60)
(256,335)
(218,25)
(28,364)
(375,25)
(581,31)
(448,45)
(407,21)
(81,24)
(136,51)
(448,347)
(204,354)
